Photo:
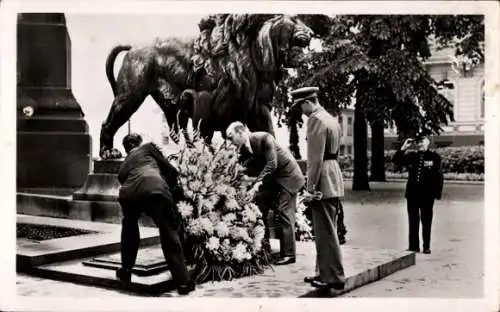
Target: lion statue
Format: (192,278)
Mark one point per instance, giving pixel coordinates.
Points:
(227,73)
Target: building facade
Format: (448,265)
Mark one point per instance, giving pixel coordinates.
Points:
(464,87)
(346,120)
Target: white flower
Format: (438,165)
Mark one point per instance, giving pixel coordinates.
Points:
(259,233)
(228,218)
(220,189)
(195,228)
(255,209)
(213,243)
(208,205)
(195,186)
(183,169)
(192,169)
(185,209)
(28,111)
(248,215)
(240,252)
(240,233)
(206,225)
(214,216)
(231,204)
(231,192)
(208,179)
(222,229)
(188,193)
(257,245)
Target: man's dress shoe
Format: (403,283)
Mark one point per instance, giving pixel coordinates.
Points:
(186,288)
(321,284)
(310,279)
(285,260)
(124,275)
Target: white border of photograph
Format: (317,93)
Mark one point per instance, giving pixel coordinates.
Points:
(8,298)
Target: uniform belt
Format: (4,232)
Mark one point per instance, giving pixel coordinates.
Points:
(330,156)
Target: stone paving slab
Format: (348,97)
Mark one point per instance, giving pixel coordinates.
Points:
(31,253)
(150,261)
(362,266)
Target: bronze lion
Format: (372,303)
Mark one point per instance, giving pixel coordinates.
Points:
(227,73)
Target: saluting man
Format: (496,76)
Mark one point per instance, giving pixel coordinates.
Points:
(425,184)
(325,186)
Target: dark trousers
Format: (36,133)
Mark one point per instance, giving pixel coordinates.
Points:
(274,196)
(329,263)
(162,212)
(420,209)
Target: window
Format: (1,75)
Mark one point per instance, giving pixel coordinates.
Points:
(342,149)
(483,99)
(349,126)
(341,121)
(349,149)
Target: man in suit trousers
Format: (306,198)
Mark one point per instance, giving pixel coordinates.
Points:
(149,185)
(424,185)
(325,186)
(279,179)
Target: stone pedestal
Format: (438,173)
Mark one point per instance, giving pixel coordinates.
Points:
(53,144)
(102,184)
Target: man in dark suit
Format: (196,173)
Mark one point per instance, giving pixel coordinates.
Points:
(149,185)
(279,179)
(425,184)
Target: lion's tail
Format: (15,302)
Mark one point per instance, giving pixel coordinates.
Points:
(110,63)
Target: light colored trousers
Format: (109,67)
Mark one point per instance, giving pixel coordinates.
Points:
(328,254)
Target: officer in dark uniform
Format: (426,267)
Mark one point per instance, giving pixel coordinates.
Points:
(425,184)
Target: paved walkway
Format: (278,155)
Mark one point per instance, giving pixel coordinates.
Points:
(378,219)
(455,267)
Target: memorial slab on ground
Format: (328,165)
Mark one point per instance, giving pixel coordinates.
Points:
(101,238)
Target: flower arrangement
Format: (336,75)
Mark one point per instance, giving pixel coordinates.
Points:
(303,226)
(223,229)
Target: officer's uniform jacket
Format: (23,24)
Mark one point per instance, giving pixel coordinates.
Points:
(323,143)
(425,177)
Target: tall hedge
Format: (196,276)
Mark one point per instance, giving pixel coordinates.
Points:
(464,159)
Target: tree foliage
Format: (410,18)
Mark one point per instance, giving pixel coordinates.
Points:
(391,49)
(378,59)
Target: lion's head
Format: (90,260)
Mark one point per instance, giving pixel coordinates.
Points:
(281,41)
(276,40)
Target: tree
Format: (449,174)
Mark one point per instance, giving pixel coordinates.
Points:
(379,59)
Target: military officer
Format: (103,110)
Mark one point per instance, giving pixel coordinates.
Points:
(325,186)
(424,185)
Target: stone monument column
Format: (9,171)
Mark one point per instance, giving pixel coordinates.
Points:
(53,143)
